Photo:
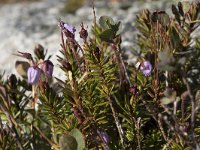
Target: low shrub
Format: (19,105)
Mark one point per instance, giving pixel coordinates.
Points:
(105,102)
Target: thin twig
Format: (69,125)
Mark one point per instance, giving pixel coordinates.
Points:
(192,110)
(63,45)
(95,23)
(161,128)
(192,101)
(121,62)
(76,43)
(49,141)
(137,126)
(77,59)
(120,131)
(194,21)
(174,127)
(154,115)
(187,138)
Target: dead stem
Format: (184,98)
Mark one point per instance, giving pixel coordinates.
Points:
(192,111)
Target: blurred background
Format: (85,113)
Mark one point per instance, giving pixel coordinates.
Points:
(25,23)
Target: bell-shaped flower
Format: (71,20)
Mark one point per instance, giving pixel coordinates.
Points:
(146,68)
(33,74)
(70,28)
(67,29)
(47,68)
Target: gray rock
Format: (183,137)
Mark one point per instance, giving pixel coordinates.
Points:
(23,25)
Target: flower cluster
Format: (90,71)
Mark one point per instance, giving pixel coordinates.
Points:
(69,30)
(35,71)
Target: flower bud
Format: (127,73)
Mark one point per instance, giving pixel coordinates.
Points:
(83,33)
(39,51)
(47,67)
(146,68)
(67,65)
(26,55)
(33,74)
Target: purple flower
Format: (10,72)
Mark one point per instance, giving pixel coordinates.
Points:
(33,74)
(47,67)
(70,28)
(146,68)
(67,29)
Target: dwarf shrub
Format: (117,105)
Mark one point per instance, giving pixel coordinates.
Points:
(105,102)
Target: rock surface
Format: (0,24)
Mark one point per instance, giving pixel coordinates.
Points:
(23,25)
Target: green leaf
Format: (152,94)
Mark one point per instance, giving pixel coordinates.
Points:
(180,8)
(79,138)
(164,19)
(3,117)
(141,78)
(175,10)
(21,68)
(105,22)
(175,146)
(101,104)
(107,35)
(116,28)
(111,29)
(68,142)
(175,38)
(176,13)
(186,6)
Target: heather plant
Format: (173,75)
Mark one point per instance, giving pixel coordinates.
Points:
(104,102)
